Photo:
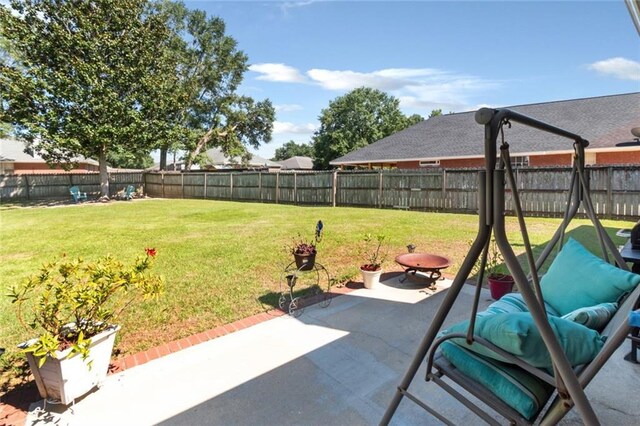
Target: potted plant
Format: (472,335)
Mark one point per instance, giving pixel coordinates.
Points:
(72,304)
(374,256)
(304,253)
(498,282)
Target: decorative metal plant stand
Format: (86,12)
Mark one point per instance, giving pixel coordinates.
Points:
(314,279)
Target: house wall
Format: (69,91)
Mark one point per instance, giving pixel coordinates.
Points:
(623,157)
(457,163)
(550,160)
(546,160)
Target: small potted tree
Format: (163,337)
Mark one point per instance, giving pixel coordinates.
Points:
(498,282)
(374,255)
(304,253)
(72,304)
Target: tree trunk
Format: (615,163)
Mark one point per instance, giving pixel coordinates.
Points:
(163,158)
(104,174)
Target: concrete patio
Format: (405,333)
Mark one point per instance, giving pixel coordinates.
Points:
(331,366)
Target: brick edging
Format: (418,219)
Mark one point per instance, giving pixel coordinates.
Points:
(11,415)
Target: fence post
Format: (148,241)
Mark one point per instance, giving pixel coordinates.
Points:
(26,185)
(609,207)
(230,186)
(380,189)
(334,187)
(162,180)
(277,187)
(444,188)
(295,187)
(205,186)
(260,186)
(182,184)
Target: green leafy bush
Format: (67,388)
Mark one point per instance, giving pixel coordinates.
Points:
(70,300)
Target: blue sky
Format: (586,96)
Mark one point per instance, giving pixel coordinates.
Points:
(452,55)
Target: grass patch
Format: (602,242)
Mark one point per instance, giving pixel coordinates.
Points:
(221,259)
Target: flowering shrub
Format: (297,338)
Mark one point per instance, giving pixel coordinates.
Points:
(69,301)
(373,252)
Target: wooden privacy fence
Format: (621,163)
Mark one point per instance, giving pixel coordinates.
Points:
(543,191)
(56,186)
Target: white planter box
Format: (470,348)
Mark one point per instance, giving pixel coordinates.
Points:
(371,278)
(64,379)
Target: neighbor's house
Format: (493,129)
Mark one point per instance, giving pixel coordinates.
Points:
(456,140)
(297,163)
(14,160)
(217,160)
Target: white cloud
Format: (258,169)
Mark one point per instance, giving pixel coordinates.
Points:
(277,72)
(280,127)
(288,107)
(621,68)
(416,88)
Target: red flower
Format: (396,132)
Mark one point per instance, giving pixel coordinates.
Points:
(150,252)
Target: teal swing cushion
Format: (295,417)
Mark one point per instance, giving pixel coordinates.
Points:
(577,279)
(594,317)
(520,390)
(513,302)
(518,334)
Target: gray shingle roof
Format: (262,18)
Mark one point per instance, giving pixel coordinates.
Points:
(217,158)
(604,121)
(13,150)
(297,163)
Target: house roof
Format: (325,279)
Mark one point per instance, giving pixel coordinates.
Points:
(218,158)
(12,150)
(297,163)
(604,121)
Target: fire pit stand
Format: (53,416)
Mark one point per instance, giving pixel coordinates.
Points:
(428,264)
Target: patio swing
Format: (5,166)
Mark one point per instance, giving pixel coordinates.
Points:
(507,380)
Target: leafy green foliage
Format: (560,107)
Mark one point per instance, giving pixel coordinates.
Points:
(69,301)
(85,78)
(374,251)
(210,68)
(292,149)
(435,112)
(355,120)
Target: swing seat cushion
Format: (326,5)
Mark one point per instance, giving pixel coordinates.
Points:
(517,334)
(522,391)
(577,279)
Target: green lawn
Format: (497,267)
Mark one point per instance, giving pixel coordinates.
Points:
(221,260)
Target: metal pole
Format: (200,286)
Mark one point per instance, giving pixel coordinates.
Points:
(558,356)
(484,233)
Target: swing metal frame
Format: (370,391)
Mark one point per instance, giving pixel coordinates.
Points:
(568,382)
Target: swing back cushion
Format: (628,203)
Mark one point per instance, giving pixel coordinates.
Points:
(517,334)
(577,279)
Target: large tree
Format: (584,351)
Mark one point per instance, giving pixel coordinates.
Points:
(292,149)
(210,69)
(355,120)
(85,77)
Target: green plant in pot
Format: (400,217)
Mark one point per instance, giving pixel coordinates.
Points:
(374,253)
(499,283)
(72,305)
(304,253)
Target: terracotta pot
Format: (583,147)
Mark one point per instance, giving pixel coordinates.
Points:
(305,262)
(499,285)
(371,278)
